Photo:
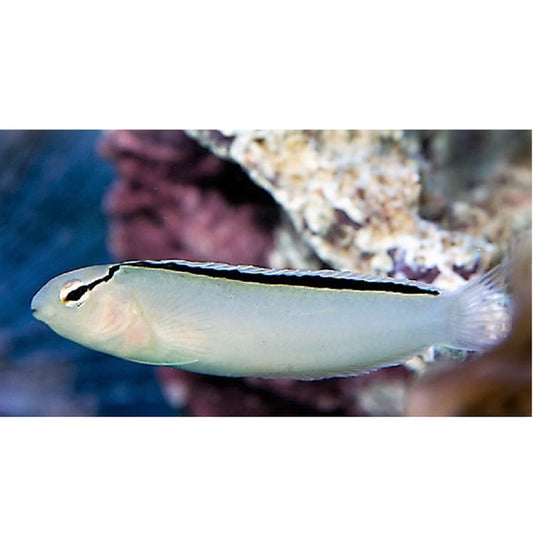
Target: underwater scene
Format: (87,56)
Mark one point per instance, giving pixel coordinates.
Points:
(426,234)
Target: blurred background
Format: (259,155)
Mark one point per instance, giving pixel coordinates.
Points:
(52,185)
(76,198)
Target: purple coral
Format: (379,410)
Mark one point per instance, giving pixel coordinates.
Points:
(171,201)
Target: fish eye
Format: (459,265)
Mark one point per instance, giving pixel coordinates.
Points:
(74,293)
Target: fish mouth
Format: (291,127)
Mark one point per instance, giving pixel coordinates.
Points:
(36,306)
(35,311)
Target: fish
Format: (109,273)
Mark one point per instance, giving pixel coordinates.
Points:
(243,320)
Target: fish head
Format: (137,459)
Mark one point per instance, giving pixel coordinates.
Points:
(89,307)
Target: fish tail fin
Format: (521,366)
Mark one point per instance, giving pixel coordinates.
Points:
(480,314)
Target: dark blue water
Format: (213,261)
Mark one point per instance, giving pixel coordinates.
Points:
(51,189)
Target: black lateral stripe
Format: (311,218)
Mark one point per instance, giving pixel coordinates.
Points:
(107,277)
(76,294)
(304,280)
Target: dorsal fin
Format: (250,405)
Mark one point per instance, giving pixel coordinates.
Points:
(317,279)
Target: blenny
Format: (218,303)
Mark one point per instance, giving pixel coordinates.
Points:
(228,320)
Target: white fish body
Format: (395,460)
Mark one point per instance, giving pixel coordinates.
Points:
(247,321)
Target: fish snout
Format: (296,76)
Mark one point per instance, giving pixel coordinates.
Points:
(39,309)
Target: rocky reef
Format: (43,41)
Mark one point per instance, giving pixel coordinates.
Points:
(376,202)
(355,198)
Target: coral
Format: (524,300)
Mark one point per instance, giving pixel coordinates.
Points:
(172,202)
(354,198)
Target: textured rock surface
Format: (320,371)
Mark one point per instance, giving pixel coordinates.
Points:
(355,198)
(348,199)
